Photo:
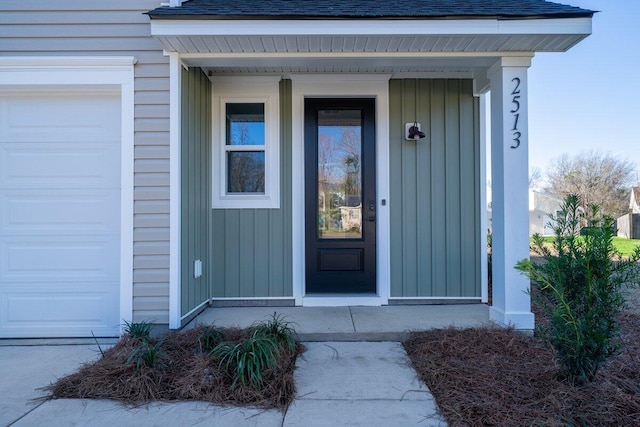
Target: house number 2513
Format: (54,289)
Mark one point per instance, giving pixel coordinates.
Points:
(515,112)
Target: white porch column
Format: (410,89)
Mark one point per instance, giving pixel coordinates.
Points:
(510,182)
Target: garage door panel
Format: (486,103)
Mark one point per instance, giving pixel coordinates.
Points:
(55,258)
(92,311)
(55,117)
(80,165)
(51,212)
(59,212)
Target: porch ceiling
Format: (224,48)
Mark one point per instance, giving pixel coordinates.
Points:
(362,46)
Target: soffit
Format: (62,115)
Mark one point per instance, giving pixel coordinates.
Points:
(282,46)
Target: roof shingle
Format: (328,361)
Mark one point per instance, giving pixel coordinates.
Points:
(369,9)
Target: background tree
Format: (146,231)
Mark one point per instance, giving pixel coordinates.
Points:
(535,178)
(598,179)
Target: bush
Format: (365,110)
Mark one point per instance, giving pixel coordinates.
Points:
(279,329)
(210,338)
(579,286)
(246,361)
(147,354)
(140,330)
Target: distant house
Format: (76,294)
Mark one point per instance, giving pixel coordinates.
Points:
(629,224)
(542,210)
(156,159)
(634,203)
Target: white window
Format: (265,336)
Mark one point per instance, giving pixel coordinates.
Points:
(246,141)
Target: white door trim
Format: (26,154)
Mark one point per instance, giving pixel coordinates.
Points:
(345,86)
(103,71)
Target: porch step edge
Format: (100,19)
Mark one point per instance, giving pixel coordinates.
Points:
(353,336)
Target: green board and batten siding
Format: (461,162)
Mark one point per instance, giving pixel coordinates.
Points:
(434,190)
(195,159)
(252,247)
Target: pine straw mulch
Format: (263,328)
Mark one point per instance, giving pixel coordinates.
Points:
(500,377)
(186,373)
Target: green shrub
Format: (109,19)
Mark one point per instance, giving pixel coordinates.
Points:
(140,330)
(247,360)
(279,329)
(147,354)
(210,338)
(578,286)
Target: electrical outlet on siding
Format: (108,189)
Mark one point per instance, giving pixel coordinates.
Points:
(197,269)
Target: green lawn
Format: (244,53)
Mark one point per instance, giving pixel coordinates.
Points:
(625,246)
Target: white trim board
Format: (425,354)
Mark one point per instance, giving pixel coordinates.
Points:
(341,86)
(88,71)
(364,27)
(175,96)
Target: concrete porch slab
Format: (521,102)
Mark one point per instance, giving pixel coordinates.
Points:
(386,323)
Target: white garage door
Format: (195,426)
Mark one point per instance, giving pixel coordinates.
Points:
(59,213)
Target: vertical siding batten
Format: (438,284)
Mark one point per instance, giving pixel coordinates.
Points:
(452,187)
(438,195)
(396,139)
(424,184)
(409,186)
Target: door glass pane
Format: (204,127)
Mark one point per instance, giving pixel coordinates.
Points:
(339,174)
(245,123)
(245,170)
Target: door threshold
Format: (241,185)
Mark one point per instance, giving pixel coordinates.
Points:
(341,300)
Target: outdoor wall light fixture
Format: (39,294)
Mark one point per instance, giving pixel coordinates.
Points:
(413,132)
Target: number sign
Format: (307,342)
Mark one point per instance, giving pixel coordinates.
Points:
(515,112)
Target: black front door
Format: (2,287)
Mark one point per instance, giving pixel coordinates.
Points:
(340,195)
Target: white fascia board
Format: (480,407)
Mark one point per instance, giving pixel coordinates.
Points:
(191,59)
(368,27)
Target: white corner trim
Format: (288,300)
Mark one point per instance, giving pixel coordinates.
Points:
(484,220)
(341,86)
(364,27)
(118,72)
(127,198)
(175,70)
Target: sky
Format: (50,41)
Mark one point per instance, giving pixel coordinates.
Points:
(588,98)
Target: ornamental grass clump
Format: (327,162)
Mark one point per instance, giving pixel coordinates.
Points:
(279,329)
(247,361)
(578,286)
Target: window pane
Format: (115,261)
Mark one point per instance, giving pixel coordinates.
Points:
(245,123)
(339,174)
(245,172)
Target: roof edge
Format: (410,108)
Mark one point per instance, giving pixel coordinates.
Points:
(153,14)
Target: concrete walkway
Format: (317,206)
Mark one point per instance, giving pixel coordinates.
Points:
(341,380)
